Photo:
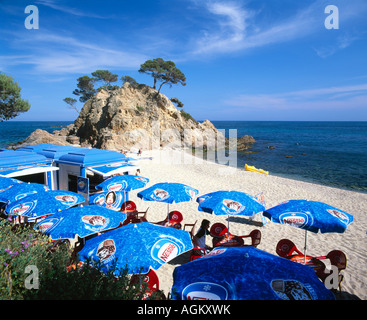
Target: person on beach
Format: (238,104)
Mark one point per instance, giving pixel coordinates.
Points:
(139,152)
(200,237)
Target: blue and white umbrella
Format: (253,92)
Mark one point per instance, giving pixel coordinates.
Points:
(168,192)
(42,204)
(123,183)
(311,216)
(138,247)
(229,203)
(80,221)
(6,182)
(21,190)
(246,273)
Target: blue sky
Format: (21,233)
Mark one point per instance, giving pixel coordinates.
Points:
(243,60)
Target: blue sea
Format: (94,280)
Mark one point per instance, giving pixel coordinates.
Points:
(328,153)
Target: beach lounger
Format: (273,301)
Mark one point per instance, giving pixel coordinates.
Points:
(221,237)
(287,249)
(173,220)
(151,279)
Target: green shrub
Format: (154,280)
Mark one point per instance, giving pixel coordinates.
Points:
(25,247)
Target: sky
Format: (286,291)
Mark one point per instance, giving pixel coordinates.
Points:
(244,60)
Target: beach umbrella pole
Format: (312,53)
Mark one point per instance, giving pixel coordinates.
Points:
(304,261)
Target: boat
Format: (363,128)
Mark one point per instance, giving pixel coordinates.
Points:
(253,169)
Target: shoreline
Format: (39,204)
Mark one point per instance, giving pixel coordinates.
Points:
(207,177)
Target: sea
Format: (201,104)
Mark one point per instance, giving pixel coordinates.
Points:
(328,153)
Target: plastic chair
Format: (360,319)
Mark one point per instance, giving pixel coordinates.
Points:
(152,281)
(286,249)
(221,237)
(173,220)
(132,214)
(337,259)
(195,253)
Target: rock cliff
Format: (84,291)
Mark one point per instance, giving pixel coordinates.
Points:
(133,117)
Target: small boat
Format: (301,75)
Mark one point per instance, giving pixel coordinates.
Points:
(253,169)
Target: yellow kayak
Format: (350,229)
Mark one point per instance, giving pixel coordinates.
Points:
(253,169)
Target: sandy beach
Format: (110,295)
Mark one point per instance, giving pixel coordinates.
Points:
(178,166)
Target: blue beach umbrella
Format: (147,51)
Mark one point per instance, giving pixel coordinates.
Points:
(21,190)
(123,183)
(311,216)
(6,182)
(108,199)
(246,273)
(168,192)
(40,204)
(138,247)
(229,203)
(80,221)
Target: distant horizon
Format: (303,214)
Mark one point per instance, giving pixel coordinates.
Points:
(252,60)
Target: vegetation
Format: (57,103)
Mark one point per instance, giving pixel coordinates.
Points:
(71,102)
(11,103)
(130,80)
(24,247)
(163,71)
(178,103)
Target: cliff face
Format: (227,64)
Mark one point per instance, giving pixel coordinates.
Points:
(139,117)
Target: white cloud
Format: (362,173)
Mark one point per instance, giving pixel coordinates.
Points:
(66,54)
(53,4)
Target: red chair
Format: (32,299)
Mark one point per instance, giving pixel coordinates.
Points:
(287,249)
(173,220)
(221,237)
(132,214)
(152,281)
(195,253)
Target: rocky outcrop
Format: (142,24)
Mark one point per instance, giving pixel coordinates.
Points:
(133,117)
(40,136)
(139,117)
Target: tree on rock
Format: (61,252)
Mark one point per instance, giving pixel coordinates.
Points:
(162,71)
(71,102)
(11,103)
(85,89)
(106,77)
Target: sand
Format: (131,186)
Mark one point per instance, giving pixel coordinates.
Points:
(178,166)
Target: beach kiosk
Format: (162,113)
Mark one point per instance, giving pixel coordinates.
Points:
(72,168)
(28,167)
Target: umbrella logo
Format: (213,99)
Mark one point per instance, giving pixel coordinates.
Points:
(160,194)
(291,290)
(204,291)
(202,199)
(233,206)
(164,250)
(117,186)
(67,199)
(190,192)
(46,226)
(340,215)
(294,219)
(106,250)
(23,208)
(94,220)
